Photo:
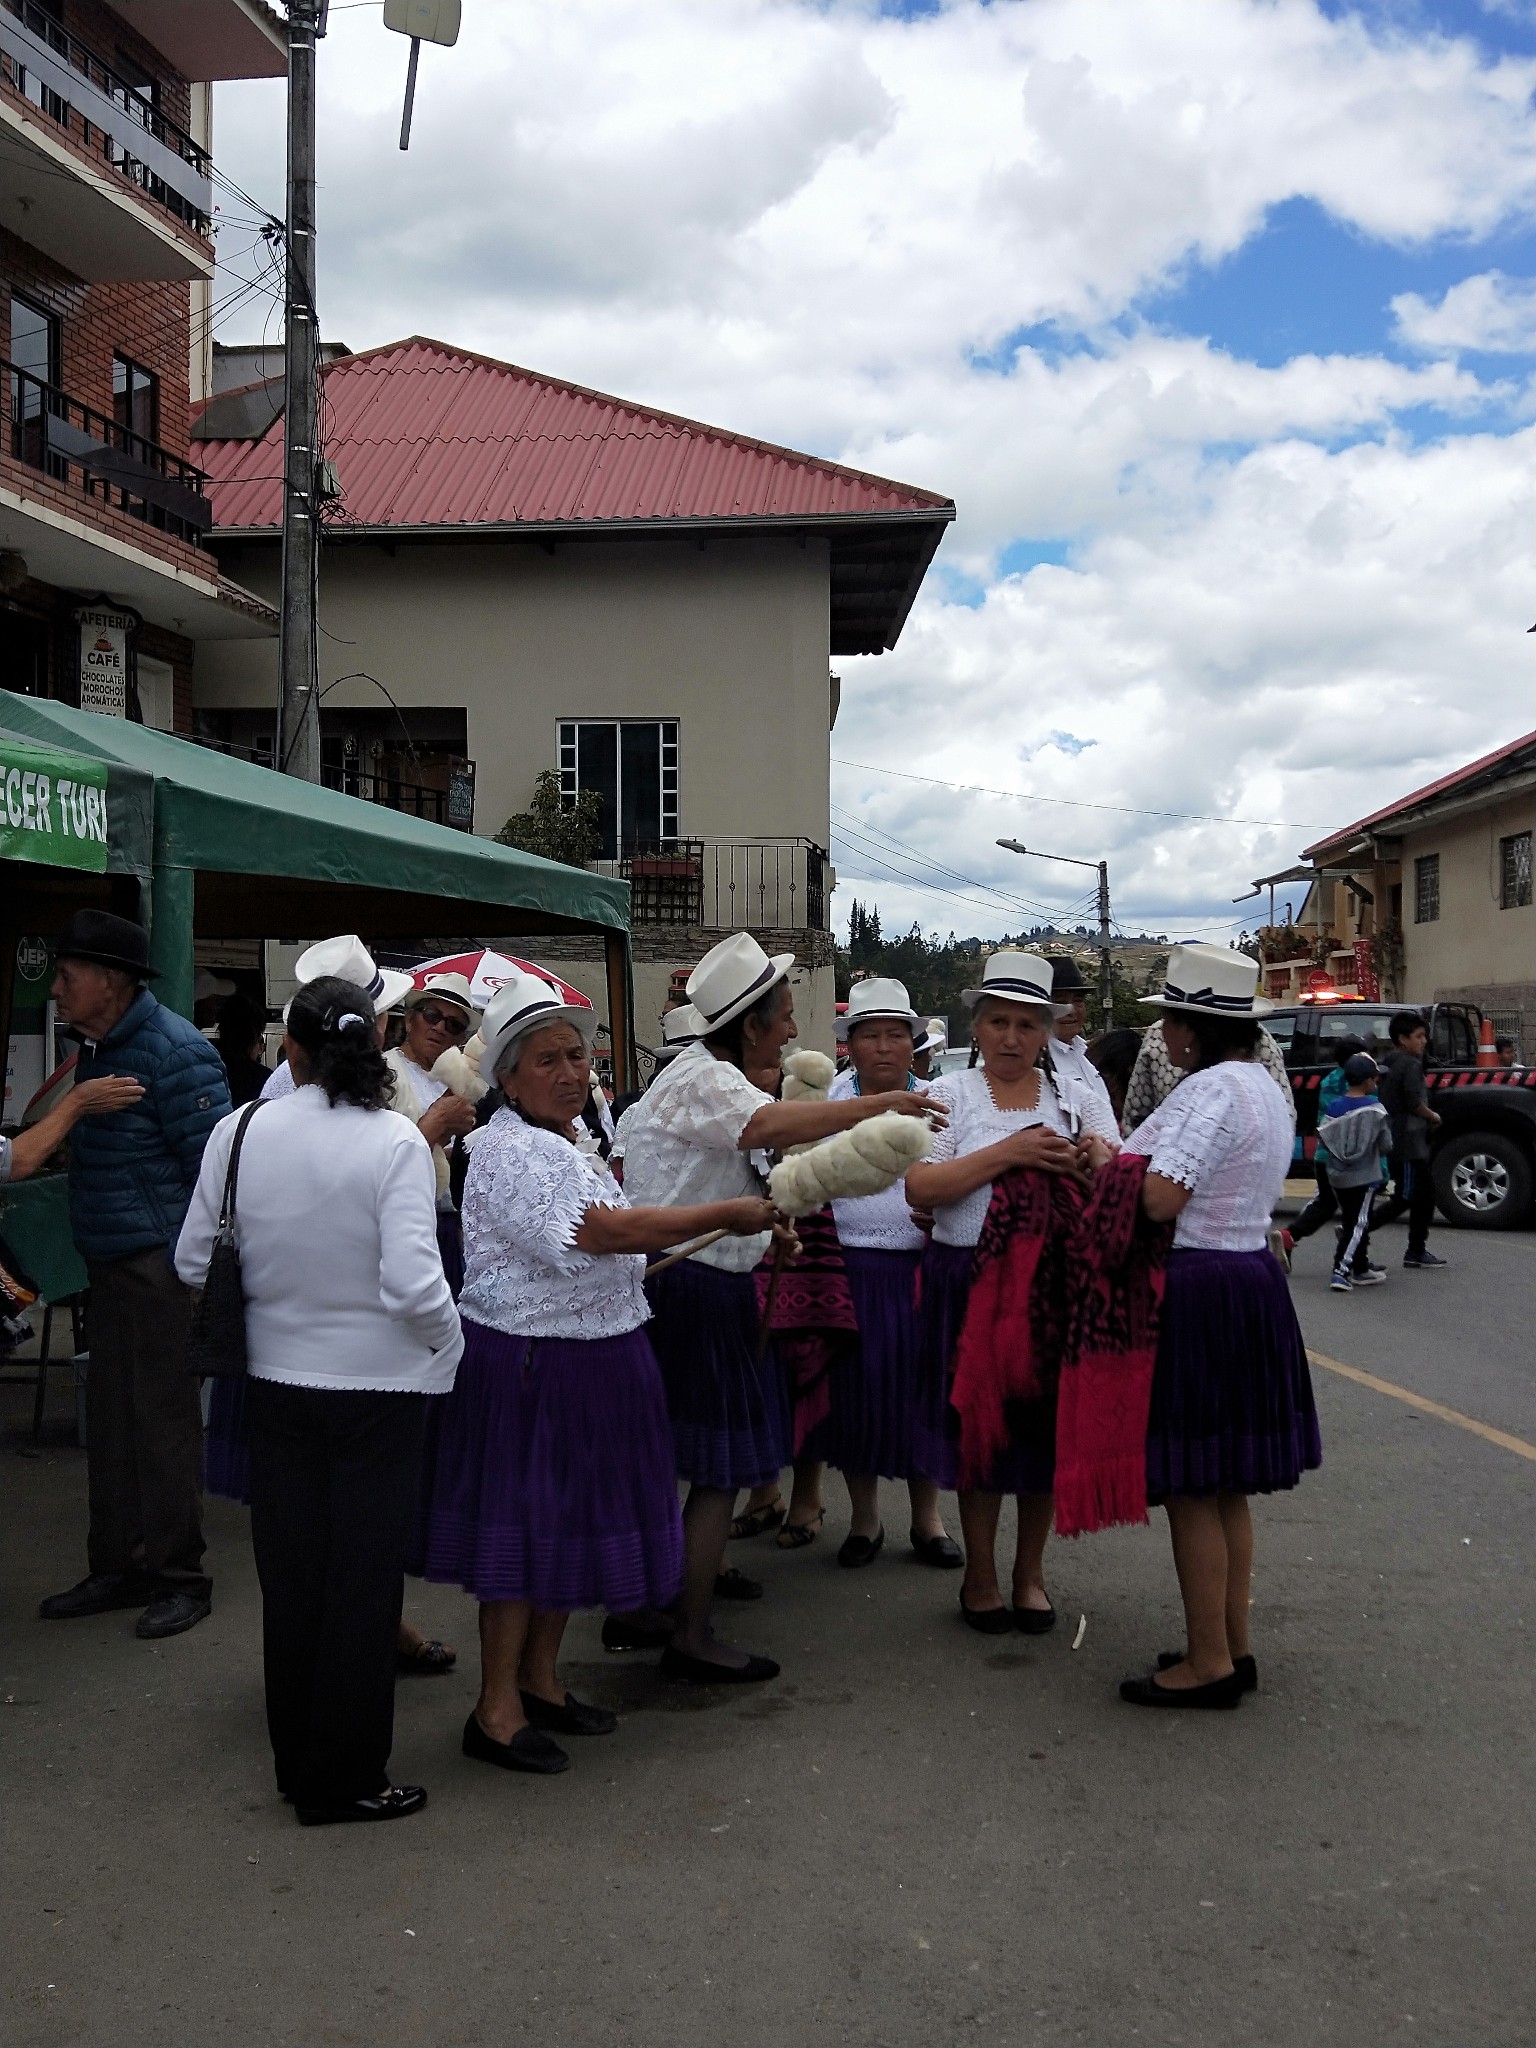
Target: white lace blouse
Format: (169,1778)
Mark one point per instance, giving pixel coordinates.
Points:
(1224,1133)
(876,1223)
(525,1194)
(681,1147)
(975,1122)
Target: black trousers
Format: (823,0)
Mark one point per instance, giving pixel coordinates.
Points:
(1352,1201)
(1421,1202)
(1323,1205)
(143,1426)
(333,1492)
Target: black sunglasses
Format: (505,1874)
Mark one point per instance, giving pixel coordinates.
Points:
(454,1022)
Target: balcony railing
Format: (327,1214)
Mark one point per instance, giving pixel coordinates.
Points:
(59,435)
(416,799)
(726,884)
(105,112)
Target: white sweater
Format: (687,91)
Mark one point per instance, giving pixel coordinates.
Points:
(337,1227)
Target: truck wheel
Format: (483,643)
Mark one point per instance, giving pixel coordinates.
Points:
(1482,1182)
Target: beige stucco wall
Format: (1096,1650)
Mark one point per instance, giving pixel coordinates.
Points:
(730,637)
(1472,942)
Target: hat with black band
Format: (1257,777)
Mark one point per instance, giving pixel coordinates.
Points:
(1215,981)
(732,977)
(527,1002)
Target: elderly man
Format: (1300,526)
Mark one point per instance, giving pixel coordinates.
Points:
(1069,1050)
(131,1176)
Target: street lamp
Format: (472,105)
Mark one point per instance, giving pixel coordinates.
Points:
(1101,868)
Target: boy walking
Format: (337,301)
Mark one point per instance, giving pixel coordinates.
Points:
(1406,1100)
(1357,1130)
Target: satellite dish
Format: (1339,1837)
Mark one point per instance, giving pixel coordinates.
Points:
(424,21)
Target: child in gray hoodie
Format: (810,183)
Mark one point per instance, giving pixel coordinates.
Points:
(1356,1131)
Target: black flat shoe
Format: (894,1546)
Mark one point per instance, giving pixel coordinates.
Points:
(395,1802)
(732,1584)
(942,1552)
(102,1593)
(987,1621)
(529,1750)
(573,1717)
(1146,1692)
(860,1550)
(1246,1668)
(699,1670)
(1034,1621)
(623,1632)
(172,1614)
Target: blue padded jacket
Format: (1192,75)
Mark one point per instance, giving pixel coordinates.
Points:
(131,1174)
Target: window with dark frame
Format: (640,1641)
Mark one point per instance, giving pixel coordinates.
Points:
(135,400)
(1515,871)
(1426,888)
(632,764)
(34,357)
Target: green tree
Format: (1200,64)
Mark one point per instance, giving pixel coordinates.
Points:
(548,829)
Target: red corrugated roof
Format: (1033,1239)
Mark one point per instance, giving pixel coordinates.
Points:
(423,435)
(1443,787)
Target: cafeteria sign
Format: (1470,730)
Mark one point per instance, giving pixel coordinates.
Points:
(53,808)
(104,658)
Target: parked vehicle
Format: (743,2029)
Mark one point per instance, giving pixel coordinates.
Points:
(1484,1152)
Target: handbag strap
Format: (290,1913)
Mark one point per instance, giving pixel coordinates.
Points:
(227,1206)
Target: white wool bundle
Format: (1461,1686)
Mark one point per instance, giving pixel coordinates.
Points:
(807,1076)
(459,1072)
(865,1160)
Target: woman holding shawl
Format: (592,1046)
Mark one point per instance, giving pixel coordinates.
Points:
(1232,1411)
(1012,1111)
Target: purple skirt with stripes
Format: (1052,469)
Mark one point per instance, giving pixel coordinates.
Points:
(729,1406)
(878,1409)
(1232,1408)
(549,1476)
(944,1284)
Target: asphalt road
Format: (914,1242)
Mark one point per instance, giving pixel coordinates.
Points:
(915,1837)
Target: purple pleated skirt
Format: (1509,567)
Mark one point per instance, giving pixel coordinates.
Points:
(549,1476)
(877,1394)
(227,1443)
(729,1408)
(944,1288)
(450,1244)
(1232,1408)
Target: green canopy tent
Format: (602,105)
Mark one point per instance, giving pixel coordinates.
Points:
(239,852)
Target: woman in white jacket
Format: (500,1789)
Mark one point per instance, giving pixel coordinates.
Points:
(349,1327)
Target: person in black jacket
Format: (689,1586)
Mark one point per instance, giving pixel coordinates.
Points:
(131,1176)
(1406,1100)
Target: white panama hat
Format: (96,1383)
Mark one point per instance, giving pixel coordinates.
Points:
(350,960)
(444,988)
(731,978)
(877,997)
(1014,977)
(527,1002)
(1213,981)
(935,1037)
(679,1030)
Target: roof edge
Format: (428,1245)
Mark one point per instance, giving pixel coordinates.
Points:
(1443,786)
(520,529)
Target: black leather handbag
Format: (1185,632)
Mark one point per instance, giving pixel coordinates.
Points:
(216,1349)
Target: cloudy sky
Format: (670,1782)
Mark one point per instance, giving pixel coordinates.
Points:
(1215,317)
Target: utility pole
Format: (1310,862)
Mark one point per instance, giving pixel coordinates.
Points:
(1106,964)
(298,716)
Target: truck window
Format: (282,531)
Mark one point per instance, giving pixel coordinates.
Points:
(1282,1029)
(1451,1040)
(1351,1020)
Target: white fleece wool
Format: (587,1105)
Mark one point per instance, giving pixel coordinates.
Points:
(459,1071)
(866,1160)
(807,1076)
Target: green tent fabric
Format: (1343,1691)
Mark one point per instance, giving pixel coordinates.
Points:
(215,816)
(66,829)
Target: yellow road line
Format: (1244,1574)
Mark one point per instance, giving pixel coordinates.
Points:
(1501,1437)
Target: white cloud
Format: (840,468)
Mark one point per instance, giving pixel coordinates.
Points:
(813,222)
(1490,311)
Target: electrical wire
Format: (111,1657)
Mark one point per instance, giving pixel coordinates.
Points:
(1073,803)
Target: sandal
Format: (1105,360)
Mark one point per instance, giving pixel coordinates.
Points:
(760,1520)
(427,1659)
(796,1535)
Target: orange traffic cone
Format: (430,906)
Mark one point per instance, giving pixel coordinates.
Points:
(1487,1051)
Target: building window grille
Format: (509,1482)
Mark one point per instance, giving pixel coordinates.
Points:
(1426,888)
(1515,871)
(632,764)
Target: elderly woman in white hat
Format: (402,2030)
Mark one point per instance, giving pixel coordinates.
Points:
(877,1402)
(1232,1411)
(692,1140)
(1010,1111)
(551,1483)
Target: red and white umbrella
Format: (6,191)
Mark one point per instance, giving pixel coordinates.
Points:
(486,971)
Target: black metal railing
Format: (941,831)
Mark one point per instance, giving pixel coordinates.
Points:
(416,799)
(726,884)
(111,115)
(59,435)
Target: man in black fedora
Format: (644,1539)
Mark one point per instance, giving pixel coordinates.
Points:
(131,1176)
(1069,1050)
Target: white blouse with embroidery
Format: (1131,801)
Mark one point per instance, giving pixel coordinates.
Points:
(525,1194)
(1225,1134)
(875,1223)
(975,1122)
(682,1147)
